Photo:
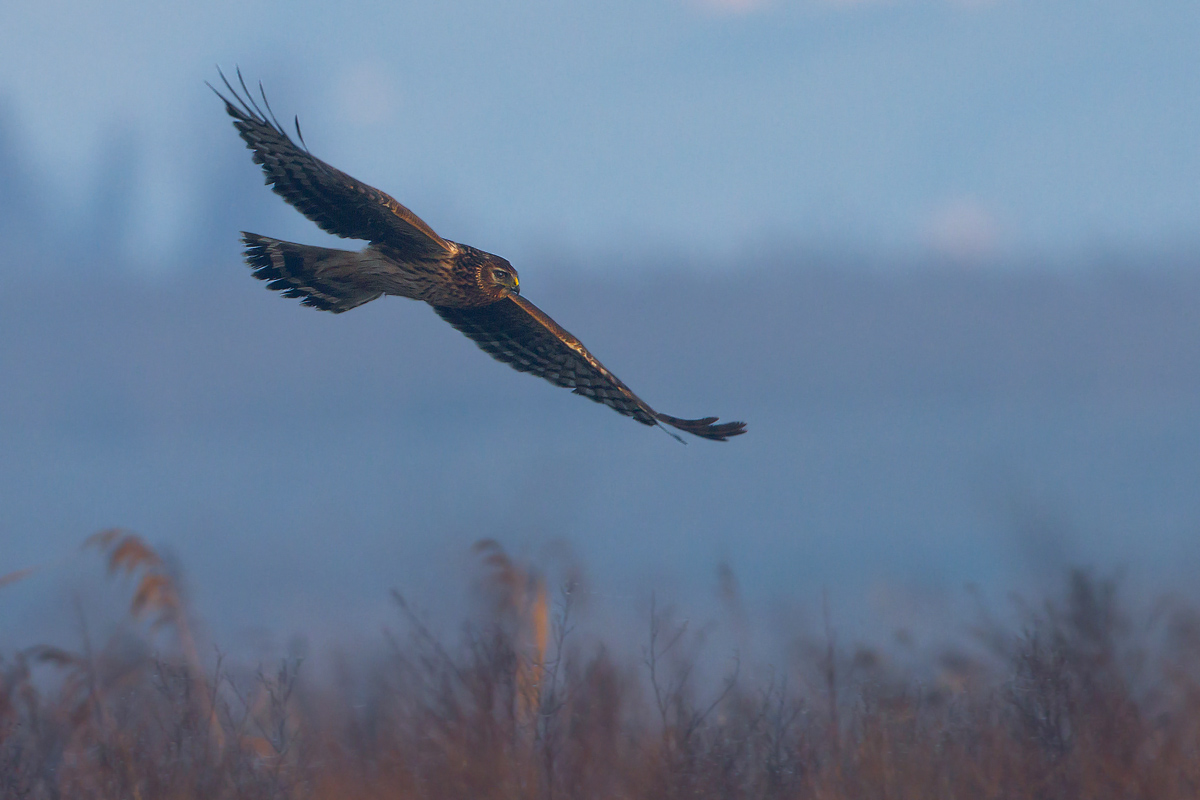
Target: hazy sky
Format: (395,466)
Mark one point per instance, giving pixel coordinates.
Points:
(975,128)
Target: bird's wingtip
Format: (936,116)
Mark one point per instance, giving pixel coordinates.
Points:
(705,427)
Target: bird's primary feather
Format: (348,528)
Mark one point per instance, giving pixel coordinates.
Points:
(520,334)
(336,202)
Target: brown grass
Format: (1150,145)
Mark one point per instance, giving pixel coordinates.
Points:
(1077,702)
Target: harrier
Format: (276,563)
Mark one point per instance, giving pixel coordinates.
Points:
(476,292)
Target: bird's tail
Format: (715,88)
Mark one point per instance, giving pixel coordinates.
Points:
(325,278)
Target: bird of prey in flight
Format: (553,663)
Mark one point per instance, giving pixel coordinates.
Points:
(474,291)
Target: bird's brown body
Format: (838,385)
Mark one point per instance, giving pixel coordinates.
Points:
(338,280)
(476,292)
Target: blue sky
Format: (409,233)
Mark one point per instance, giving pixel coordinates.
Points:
(977,129)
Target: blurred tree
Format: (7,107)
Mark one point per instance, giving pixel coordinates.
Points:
(21,211)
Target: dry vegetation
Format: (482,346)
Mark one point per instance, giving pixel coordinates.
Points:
(1077,703)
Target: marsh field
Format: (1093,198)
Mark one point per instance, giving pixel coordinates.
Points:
(1077,696)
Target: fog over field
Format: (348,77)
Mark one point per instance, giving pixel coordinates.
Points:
(910,433)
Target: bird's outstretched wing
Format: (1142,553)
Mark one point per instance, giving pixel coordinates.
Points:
(329,197)
(518,333)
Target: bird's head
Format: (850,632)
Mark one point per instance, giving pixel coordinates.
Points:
(498,277)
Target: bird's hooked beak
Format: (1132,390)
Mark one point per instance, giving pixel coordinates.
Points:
(516,284)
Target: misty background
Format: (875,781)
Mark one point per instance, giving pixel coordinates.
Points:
(941,256)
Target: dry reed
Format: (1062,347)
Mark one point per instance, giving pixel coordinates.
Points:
(1075,703)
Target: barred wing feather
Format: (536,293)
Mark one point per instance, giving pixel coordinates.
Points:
(520,334)
(336,202)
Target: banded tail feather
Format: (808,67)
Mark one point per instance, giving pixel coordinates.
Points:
(322,277)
